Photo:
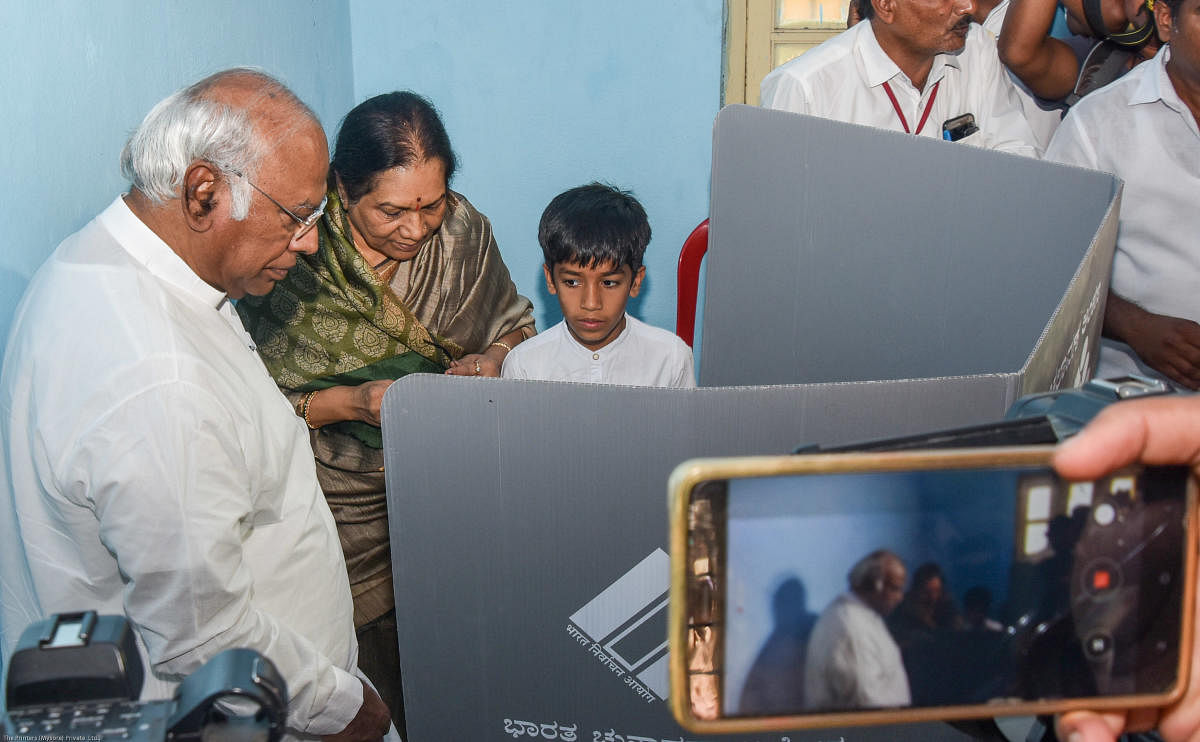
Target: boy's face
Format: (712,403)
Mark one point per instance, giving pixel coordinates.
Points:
(593,299)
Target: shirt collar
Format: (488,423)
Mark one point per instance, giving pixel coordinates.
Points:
(880,68)
(1156,85)
(157,256)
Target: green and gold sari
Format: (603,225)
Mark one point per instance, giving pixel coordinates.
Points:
(335,321)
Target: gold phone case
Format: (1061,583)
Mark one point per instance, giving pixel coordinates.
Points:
(697,597)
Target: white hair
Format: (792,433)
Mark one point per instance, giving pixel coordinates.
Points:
(188,126)
(869,572)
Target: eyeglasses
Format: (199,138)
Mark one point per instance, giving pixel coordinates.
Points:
(303,226)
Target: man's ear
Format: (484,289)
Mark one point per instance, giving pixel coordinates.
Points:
(885,10)
(549,279)
(1162,20)
(636,284)
(200,184)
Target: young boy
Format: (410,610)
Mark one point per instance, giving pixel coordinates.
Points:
(593,238)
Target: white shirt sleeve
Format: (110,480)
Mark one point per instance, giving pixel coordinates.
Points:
(685,377)
(512,367)
(174,496)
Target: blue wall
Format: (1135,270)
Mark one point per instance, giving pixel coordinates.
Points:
(539,96)
(543,95)
(81,75)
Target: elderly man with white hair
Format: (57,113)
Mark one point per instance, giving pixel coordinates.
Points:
(853,661)
(150,466)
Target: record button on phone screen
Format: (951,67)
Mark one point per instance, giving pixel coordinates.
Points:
(1102,577)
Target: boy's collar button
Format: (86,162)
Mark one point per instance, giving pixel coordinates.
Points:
(595,356)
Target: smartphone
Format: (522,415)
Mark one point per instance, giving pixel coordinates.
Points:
(959,127)
(877,588)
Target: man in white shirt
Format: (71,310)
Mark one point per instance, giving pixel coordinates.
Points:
(914,66)
(853,661)
(150,465)
(1142,128)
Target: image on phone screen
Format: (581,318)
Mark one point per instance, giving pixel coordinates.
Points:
(936,588)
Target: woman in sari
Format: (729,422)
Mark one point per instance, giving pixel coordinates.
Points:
(408,278)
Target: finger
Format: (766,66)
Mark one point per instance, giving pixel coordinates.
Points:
(1162,430)
(1087,726)
(1181,364)
(1141,720)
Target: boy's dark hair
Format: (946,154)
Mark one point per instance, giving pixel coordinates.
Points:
(594,224)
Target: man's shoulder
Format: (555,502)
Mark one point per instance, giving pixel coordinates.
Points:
(108,315)
(1116,96)
(832,52)
(1105,123)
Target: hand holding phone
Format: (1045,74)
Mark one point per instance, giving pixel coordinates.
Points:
(840,582)
(1164,430)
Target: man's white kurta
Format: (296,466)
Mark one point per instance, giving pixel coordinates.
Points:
(853,662)
(151,467)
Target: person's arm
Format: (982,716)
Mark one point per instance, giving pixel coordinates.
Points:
(176,499)
(1046,65)
(1169,345)
(1160,430)
(340,403)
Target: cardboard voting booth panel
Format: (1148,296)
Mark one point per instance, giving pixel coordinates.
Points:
(529,546)
(841,253)
(879,284)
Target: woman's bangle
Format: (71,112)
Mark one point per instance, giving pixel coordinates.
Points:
(304,404)
(506,346)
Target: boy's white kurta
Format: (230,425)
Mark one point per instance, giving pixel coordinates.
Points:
(641,355)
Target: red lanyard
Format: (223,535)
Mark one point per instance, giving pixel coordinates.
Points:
(924,116)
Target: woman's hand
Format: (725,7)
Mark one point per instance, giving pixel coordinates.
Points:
(340,403)
(489,362)
(475,364)
(369,400)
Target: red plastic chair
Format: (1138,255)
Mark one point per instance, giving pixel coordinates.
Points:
(688,281)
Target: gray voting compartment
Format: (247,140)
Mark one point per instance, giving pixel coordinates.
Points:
(877,284)
(842,253)
(529,542)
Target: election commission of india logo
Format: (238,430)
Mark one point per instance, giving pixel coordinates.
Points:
(624,627)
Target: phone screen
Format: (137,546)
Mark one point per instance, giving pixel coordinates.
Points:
(925,588)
